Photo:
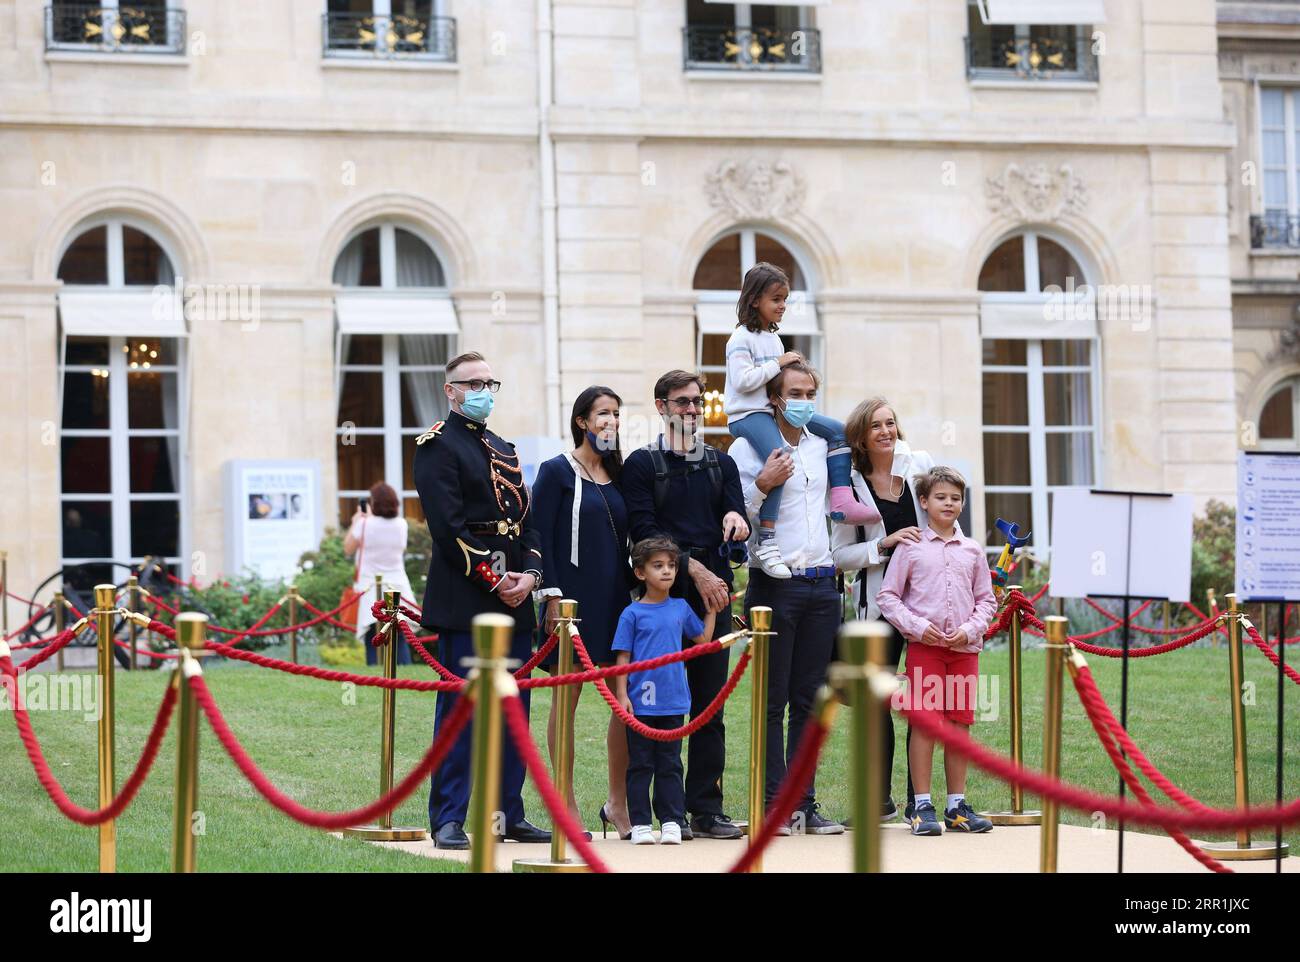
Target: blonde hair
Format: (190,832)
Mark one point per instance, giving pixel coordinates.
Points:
(858,427)
(940,474)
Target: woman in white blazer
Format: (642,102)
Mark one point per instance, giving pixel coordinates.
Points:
(885,469)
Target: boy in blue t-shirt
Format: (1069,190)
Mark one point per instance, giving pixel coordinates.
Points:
(660,697)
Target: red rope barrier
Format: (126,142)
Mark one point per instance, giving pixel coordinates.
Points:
(579,678)
(1095,708)
(326,674)
(70,810)
(446,673)
(664,734)
(434,757)
(517,725)
(527,667)
(1072,796)
(1035,626)
(59,641)
(1270,654)
(30,621)
(797,777)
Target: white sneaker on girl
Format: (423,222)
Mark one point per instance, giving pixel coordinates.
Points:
(670,833)
(770,560)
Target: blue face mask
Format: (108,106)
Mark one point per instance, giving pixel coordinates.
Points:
(799,413)
(599,444)
(477,405)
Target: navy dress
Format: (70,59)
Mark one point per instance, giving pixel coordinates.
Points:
(599,583)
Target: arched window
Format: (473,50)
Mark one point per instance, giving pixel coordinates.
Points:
(1279,416)
(396,331)
(1040,411)
(717,283)
(122,486)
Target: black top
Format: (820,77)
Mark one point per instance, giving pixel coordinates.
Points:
(467,477)
(895,514)
(692,515)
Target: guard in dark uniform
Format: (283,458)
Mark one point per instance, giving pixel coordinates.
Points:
(486,558)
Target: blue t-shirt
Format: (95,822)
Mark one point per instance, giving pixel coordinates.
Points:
(648,631)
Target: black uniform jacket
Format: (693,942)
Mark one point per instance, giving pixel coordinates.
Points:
(477,508)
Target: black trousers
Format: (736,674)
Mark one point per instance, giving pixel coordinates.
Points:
(897,643)
(806,618)
(658,762)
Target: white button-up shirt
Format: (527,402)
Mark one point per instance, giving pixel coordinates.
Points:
(802,531)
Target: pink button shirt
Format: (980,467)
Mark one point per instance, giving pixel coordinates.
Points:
(942,583)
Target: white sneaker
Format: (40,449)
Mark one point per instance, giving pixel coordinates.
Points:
(670,833)
(769,558)
(642,835)
(784,830)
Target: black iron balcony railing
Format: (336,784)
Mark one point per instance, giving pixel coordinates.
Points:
(1275,228)
(756,48)
(140,29)
(396,36)
(1032,58)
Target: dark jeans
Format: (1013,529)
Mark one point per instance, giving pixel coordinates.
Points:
(806,618)
(896,645)
(661,762)
(450,785)
(372,653)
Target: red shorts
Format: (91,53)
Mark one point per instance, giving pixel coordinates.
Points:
(942,681)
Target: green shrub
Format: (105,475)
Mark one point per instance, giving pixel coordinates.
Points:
(1214,552)
(237,603)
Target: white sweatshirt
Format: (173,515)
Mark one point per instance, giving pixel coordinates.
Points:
(752,358)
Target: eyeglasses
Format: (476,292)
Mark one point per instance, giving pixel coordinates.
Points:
(478,385)
(682,403)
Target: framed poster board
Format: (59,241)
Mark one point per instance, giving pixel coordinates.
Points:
(272,515)
(1268,526)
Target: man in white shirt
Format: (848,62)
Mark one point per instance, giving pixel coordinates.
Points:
(806,607)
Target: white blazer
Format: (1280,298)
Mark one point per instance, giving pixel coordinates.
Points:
(850,554)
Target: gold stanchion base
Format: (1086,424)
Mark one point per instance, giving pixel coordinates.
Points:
(1229,852)
(377,833)
(1014,818)
(545,865)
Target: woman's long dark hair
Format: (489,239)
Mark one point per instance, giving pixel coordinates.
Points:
(613,459)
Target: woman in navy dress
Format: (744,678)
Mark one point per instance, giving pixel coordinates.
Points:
(583,523)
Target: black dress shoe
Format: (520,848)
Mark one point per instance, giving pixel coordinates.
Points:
(714,826)
(450,835)
(526,831)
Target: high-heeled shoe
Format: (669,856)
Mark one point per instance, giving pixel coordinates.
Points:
(606,822)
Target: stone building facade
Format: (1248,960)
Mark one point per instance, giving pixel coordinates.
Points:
(1028,236)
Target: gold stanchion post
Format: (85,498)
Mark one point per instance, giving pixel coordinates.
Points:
(1242,849)
(104,612)
(132,604)
(384,831)
(1213,604)
(191,635)
(760,624)
(866,685)
(1017,815)
(491,643)
(1057,629)
(293,620)
(564,695)
(60,622)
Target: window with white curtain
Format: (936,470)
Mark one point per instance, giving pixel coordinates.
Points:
(1040,409)
(121,477)
(717,281)
(397,329)
(1279,138)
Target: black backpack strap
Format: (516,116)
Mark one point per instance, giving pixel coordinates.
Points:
(713,464)
(661,476)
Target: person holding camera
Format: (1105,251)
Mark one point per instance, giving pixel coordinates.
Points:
(805,606)
(683,489)
(378,538)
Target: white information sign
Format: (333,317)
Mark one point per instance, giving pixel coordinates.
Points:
(272,515)
(1121,544)
(1268,527)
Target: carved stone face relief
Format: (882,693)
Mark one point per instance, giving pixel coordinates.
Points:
(1036,192)
(753,188)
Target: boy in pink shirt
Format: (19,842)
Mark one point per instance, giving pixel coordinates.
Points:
(938,592)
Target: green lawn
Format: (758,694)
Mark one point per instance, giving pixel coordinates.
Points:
(324,753)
